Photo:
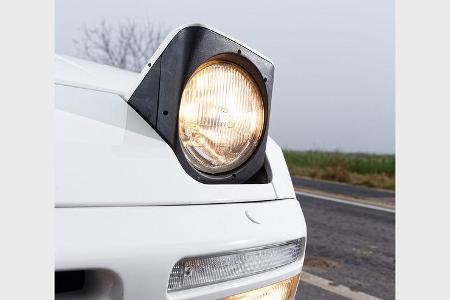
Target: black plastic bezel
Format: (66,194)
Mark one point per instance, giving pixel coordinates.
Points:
(157,98)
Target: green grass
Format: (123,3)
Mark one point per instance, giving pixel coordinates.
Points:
(370,170)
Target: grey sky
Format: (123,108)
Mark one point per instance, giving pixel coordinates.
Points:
(334,60)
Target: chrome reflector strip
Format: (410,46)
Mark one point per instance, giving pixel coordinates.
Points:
(198,271)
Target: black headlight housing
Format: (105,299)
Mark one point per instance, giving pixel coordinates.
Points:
(157,97)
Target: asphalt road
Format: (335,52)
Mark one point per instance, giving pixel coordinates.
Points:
(350,246)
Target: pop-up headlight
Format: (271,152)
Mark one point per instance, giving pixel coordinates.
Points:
(208,96)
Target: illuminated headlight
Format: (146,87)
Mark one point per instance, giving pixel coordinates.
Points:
(221,117)
(209,97)
(193,272)
(284,290)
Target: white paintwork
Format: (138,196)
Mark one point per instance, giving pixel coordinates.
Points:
(81,73)
(141,244)
(281,179)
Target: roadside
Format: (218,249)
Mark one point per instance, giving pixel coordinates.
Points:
(359,169)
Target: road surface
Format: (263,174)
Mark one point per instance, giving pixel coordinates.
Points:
(349,246)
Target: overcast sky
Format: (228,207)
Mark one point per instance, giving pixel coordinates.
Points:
(334,60)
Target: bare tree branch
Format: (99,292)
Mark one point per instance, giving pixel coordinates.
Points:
(129,45)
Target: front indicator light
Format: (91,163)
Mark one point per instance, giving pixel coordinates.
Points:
(221,117)
(284,290)
(198,271)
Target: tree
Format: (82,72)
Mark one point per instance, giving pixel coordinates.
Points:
(129,45)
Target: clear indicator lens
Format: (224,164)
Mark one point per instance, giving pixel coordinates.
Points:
(221,117)
(199,271)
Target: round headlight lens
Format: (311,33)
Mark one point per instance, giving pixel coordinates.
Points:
(221,117)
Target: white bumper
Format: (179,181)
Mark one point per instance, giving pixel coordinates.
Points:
(140,245)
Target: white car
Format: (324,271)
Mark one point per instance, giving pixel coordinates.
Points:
(167,184)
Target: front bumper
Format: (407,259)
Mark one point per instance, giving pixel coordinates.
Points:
(140,245)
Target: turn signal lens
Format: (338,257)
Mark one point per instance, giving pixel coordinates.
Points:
(284,290)
(221,117)
(198,271)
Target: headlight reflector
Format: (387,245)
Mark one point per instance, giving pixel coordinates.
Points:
(204,270)
(221,117)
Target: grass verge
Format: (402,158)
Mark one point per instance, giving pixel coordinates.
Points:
(371,170)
